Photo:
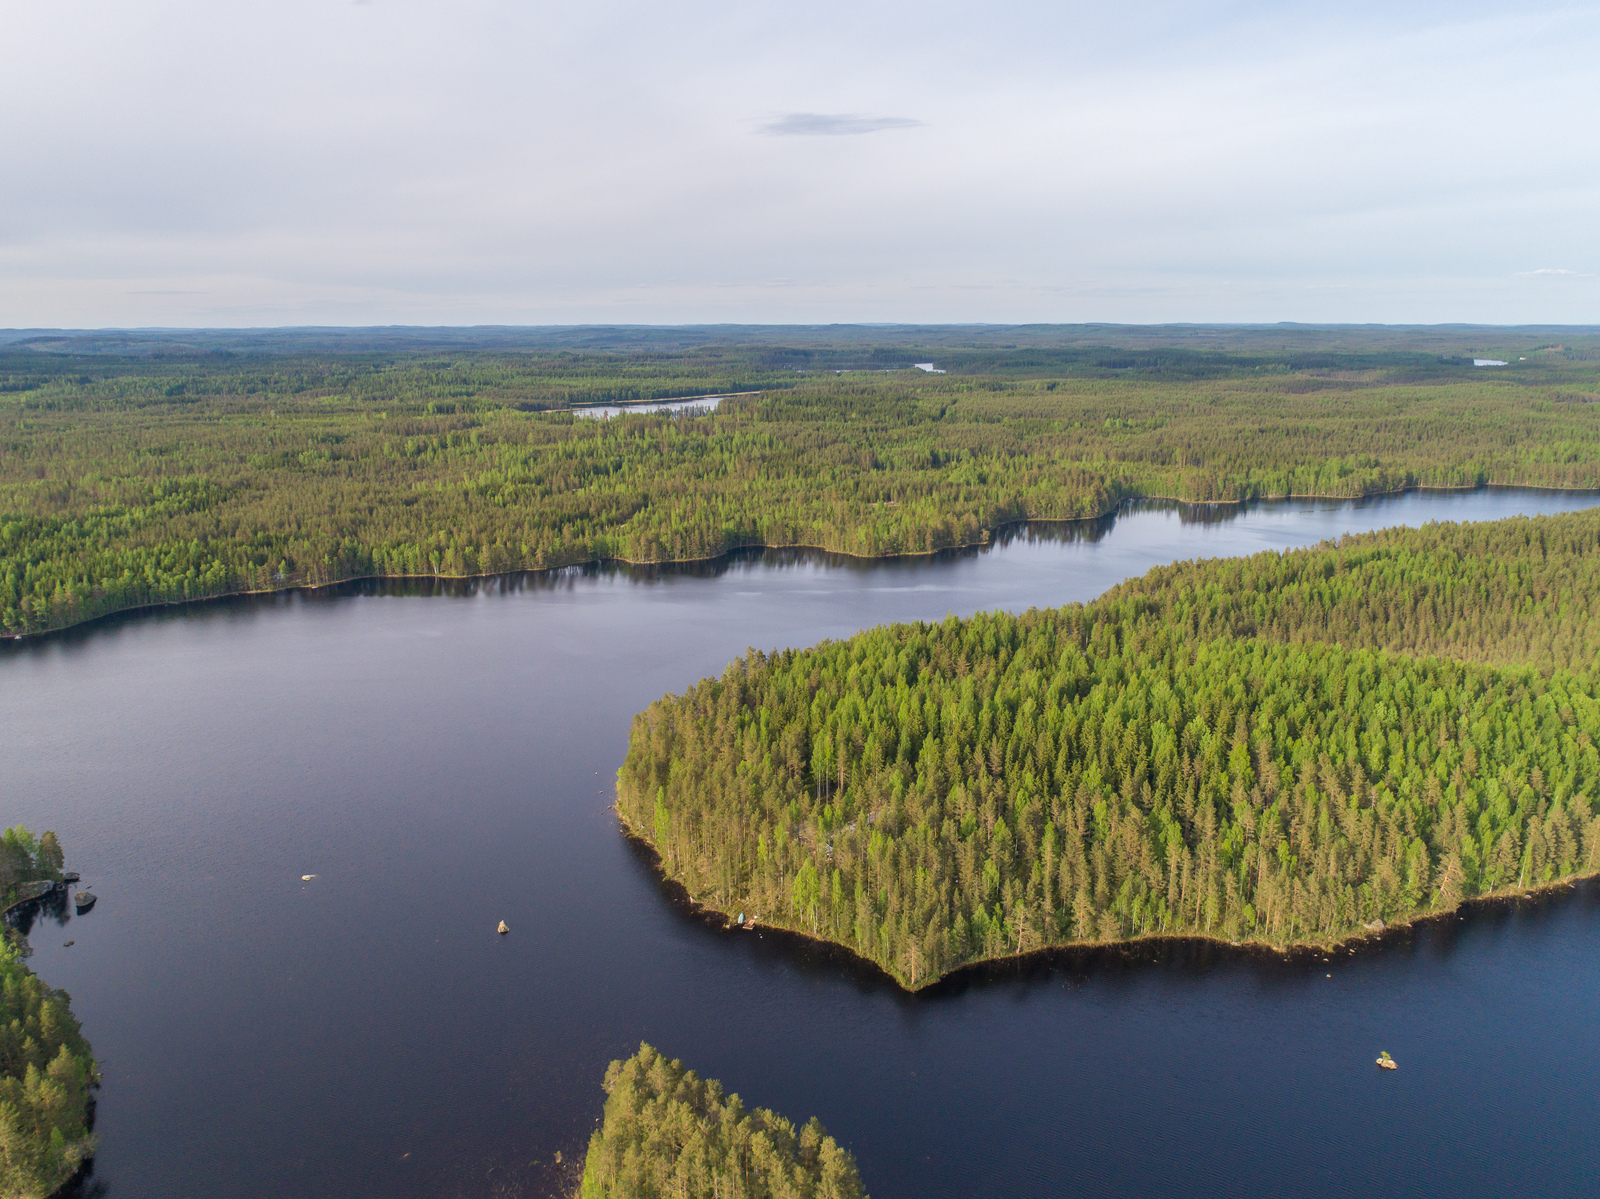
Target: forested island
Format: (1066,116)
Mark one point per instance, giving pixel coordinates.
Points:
(667,1133)
(47,1071)
(136,472)
(1284,749)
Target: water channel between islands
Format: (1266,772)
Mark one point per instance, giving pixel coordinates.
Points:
(440,757)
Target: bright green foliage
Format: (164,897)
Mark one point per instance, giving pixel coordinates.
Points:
(932,795)
(669,1134)
(46,1069)
(129,483)
(1507,592)
(46,1073)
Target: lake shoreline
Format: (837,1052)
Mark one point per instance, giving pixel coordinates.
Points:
(651,406)
(1253,948)
(398,747)
(986,539)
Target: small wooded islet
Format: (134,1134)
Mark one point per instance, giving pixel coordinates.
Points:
(1287,748)
(667,1132)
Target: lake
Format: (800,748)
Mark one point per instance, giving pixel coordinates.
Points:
(607,411)
(441,757)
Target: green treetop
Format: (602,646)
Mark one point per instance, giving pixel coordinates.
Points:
(668,1134)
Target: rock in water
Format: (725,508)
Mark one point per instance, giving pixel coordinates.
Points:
(84,900)
(504,927)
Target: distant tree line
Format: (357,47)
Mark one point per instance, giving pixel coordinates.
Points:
(1270,749)
(152,482)
(668,1134)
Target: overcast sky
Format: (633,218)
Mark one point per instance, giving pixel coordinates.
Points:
(511,161)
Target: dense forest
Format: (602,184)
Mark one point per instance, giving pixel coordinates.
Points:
(136,478)
(47,1071)
(668,1133)
(1288,748)
(1523,592)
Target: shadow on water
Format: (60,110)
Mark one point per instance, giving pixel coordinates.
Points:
(1435,940)
(83,1184)
(772,948)
(569,578)
(53,907)
(557,579)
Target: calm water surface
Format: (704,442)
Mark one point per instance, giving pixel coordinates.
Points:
(441,760)
(606,411)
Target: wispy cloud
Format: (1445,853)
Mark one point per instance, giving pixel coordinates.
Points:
(1552,270)
(833,124)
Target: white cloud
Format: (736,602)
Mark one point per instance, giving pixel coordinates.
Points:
(179,162)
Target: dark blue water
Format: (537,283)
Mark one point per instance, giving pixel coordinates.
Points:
(441,757)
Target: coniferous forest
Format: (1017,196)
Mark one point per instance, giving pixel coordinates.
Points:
(1286,748)
(135,474)
(47,1071)
(667,1132)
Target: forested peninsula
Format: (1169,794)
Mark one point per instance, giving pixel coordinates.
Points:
(135,474)
(47,1071)
(668,1133)
(1285,749)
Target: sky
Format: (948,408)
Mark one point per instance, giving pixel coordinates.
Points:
(180,163)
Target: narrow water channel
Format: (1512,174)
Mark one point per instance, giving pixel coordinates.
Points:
(439,757)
